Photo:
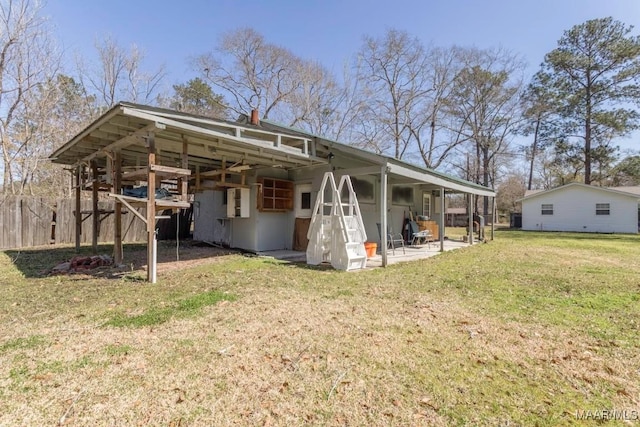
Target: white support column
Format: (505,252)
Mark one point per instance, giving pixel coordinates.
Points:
(470,209)
(383,215)
(493,216)
(442,218)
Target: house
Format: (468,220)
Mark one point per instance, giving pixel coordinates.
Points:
(582,208)
(251,183)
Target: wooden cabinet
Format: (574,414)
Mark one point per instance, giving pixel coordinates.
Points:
(275,195)
(238,203)
(432,226)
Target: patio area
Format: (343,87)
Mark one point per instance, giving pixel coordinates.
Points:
(411,253)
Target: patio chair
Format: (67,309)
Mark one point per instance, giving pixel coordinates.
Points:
(418,236)
(393,240)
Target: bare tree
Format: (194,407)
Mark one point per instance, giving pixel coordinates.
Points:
(119,75)
(485,105)
(393,70)
(250,72)
(27,60)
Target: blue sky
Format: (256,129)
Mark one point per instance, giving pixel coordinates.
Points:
(329,31)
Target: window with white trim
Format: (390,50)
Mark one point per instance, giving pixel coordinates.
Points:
(547,209)
(603,209)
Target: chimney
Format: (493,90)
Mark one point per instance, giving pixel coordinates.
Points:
(255,120)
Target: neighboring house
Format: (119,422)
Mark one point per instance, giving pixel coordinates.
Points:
(582,208)
(456,217)
(252,183)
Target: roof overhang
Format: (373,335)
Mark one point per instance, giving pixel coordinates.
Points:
(126,127)
(439,180)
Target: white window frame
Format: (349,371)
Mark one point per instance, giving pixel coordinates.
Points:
(426,205)
(299,190)
(546,209)
(603,208)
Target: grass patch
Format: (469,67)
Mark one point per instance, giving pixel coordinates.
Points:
(183,308)
(32,341)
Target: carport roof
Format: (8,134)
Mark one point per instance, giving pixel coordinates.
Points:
(126,126)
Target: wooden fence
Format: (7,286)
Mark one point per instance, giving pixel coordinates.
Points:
(38,221)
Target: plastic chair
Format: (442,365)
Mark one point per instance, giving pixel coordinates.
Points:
(393,240)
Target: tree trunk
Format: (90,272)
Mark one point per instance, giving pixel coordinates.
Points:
(534,147)
(587,134)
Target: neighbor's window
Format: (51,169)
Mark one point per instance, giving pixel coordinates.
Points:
(547,209)
(603,209)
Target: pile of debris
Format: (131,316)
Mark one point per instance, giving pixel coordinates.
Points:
(80,264)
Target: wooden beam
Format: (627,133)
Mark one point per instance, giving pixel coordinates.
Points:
(233,169)
(151,209)
(183,182)
(94,203)
(168,170)
(127,140)
(117,229)
(78,207)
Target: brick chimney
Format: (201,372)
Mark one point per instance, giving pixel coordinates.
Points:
(255,120)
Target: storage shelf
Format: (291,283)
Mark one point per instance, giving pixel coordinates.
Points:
(276,195)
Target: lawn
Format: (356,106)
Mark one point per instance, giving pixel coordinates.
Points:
(530,329)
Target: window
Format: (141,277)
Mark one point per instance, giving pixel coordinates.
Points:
(603,209)
(547,209)
(276,195)
(426,205)
(305,202)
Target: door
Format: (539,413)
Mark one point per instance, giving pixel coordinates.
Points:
(303,207)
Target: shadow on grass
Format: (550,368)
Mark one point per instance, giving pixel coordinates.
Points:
(38,262)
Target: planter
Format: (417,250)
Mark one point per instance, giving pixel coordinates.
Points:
(371,248)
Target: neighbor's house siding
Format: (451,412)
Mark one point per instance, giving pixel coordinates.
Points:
(574,209)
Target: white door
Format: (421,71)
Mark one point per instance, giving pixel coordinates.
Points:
(303,203)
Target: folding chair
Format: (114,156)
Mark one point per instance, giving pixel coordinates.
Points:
(393,240)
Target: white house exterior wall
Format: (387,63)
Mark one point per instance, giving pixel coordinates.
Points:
(574,209)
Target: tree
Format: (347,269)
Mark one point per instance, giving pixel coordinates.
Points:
(395,84)
(538,107)
(485,108)
(594,73)
(250,72)
(197,97)
(509,192)
(27,60)
(626,172)
(119,75)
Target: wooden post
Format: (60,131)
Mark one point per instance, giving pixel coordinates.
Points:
(383,214)
(151,210)
(442,219)
(117,223)
(184,180)
(94,206)
(78,207)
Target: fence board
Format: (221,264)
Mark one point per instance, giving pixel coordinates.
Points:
(27,221)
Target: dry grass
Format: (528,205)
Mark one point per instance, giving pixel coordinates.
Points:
(526,330)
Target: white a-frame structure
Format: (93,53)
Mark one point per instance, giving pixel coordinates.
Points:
(337,237)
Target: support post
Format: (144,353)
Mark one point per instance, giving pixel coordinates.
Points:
(95,223)
(493,216)
(151,209)
(184,180)
(383,214)
(117,229)
(470,208)
(442,218)
(78,207)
